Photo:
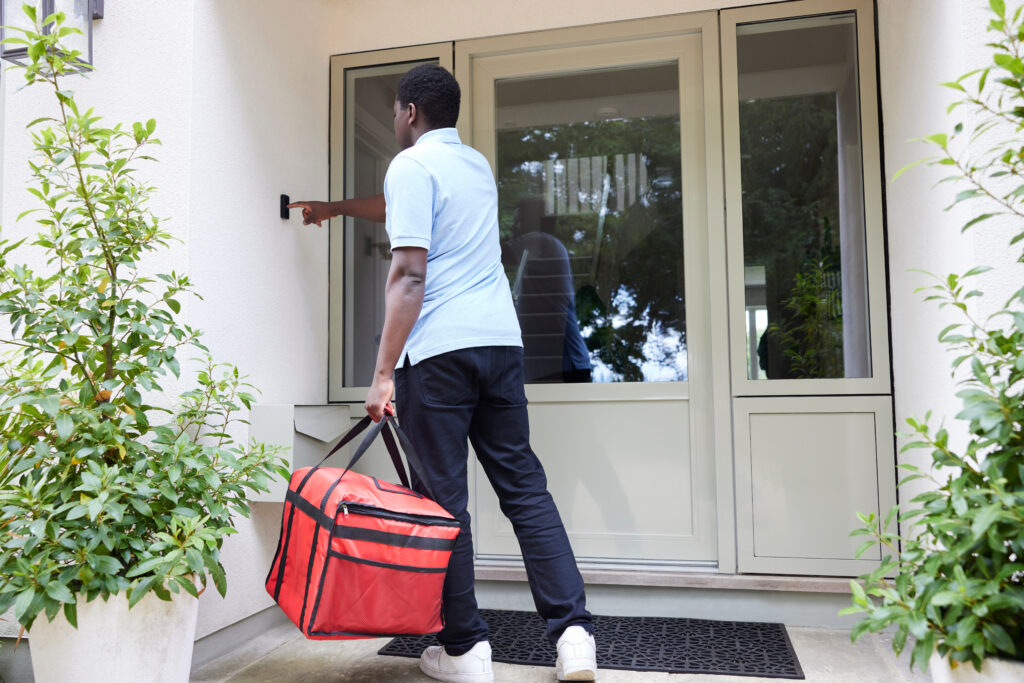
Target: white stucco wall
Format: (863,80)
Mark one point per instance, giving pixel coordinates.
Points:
(923,43)
(259,129)
(920,46)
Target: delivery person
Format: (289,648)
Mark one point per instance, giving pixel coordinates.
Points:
(451,355)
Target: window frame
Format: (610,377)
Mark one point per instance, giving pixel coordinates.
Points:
(879,383)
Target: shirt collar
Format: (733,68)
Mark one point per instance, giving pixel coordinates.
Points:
(440,135)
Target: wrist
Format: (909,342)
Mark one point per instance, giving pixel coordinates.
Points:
(384,374)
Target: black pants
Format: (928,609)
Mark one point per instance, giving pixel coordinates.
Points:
(476,395)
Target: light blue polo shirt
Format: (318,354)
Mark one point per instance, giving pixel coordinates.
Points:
(441,197)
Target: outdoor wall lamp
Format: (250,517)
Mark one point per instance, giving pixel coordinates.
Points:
(79,14)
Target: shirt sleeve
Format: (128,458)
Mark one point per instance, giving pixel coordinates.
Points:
(409,197)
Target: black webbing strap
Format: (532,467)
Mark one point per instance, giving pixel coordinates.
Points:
(396,459)
(415,465)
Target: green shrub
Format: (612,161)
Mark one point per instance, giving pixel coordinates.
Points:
(101,492)
(959,576)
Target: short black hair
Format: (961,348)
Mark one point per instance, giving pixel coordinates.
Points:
(434,91)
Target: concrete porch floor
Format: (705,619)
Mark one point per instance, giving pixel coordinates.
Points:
(284,655)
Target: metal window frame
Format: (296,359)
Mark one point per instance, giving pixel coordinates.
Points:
(19,55)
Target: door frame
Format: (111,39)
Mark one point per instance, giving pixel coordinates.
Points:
(483,59)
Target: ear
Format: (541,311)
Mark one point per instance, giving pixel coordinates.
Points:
(413,115)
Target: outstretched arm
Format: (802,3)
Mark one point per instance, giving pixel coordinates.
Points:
(370,208)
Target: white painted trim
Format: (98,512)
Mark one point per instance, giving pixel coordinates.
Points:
(718,303)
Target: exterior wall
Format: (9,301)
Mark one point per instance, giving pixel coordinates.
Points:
(259,129)
(240,92)
(923,43)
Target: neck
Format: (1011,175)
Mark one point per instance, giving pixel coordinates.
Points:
(418,131)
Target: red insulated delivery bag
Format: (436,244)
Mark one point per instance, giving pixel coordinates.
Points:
(359,557)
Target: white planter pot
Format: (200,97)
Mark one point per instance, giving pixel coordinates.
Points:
(112,644)
(993,670)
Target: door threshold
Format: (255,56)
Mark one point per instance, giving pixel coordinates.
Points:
(676,576)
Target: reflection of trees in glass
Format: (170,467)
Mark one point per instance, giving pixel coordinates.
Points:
(790,179)
(812,338)
(629,280)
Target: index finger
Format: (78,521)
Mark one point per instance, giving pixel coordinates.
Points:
(293,205)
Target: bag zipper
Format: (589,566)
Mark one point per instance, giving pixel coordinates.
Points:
(371,511)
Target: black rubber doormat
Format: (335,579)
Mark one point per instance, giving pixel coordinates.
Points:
(696,646)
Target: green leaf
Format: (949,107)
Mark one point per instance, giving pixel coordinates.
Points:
(219,580)
(139,590)
(105,564)
(64,426)
(944,598)
(908,167)
(984,519)
(977,270)
(145,566)
(24,601)
(923,651)
(169,493)
(999,637)
(59,592)
(999,7)
(50,405)
(71,613)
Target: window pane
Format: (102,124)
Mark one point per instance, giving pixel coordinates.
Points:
(590,210)
(369,147)
(805,271)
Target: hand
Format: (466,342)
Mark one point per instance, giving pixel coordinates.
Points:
(380,395)
(312,212)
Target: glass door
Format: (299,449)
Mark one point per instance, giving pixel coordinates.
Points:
(600,159)
(363,143)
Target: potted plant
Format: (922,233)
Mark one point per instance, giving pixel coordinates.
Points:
(112,510)
(959,565)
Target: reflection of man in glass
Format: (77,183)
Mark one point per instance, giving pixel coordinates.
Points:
(542,287)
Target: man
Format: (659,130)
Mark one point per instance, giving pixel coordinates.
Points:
(451,354)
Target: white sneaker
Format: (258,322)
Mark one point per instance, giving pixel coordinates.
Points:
(472,667)
(577,655)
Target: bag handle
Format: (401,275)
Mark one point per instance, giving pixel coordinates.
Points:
(415,464)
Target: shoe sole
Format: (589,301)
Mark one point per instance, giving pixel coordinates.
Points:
(583,674)
(461,677)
